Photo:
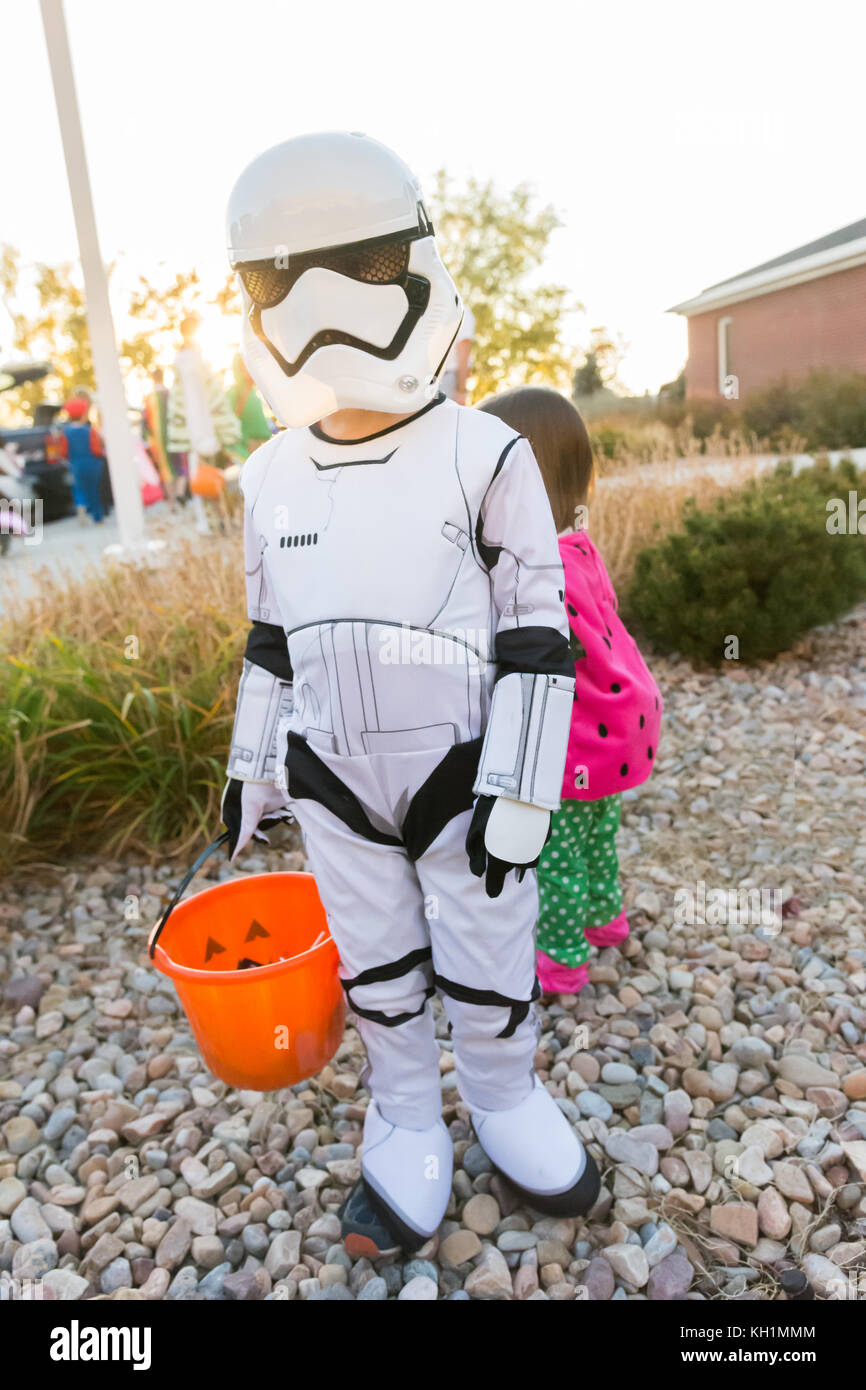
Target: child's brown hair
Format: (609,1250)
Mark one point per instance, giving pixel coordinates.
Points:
(559,441)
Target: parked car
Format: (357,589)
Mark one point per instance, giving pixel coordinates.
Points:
(46,474)
(35,446)
(16,500)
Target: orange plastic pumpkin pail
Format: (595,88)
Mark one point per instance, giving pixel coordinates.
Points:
(255,969)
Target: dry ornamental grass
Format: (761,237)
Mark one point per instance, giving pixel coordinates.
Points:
(117,693)
(636,505)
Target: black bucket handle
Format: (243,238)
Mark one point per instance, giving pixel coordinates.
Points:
(184,884)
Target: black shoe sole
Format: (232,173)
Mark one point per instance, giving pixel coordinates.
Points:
(371,1229)
(576,1201)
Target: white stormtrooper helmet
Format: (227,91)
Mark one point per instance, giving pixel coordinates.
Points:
(346,302)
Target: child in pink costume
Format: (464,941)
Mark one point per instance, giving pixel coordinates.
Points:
(616,717)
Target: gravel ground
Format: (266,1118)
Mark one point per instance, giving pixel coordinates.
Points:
(715,1066)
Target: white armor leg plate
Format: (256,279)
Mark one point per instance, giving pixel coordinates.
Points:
(484,960)
(376,916)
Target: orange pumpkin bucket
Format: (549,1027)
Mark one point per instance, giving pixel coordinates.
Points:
(255,969)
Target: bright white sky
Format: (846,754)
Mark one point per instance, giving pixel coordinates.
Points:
(681,141)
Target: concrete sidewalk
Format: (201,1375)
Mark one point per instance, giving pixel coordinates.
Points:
(736,469)
(66,549)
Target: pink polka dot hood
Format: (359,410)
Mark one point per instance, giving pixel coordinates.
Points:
(618,708)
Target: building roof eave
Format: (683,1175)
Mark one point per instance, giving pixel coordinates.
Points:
(781,277)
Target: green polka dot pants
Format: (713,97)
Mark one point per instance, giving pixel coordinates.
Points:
(578,878)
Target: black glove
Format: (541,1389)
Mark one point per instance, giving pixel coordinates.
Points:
(479,859)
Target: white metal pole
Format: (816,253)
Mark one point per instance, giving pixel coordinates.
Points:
(125,482)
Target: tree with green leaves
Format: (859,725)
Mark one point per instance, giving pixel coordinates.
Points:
(47,310)
(597,372)
(49,321)
(160,309)
(494,244)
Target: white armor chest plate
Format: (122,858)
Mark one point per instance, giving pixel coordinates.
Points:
(368,552)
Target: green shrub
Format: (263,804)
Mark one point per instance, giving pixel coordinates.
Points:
(703,417)
(760,566)
(834,410)
(607,442)
(827,410)
(770,413)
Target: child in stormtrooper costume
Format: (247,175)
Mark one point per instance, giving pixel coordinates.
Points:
(407,684)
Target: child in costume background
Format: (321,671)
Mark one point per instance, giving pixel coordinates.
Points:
(200,422)
(154,430)
(246,403)
(616,715)
(81,444)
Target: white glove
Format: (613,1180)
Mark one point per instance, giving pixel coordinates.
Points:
(248,808)
(516,832)
(504,835)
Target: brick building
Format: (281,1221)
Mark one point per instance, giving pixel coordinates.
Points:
(803,310)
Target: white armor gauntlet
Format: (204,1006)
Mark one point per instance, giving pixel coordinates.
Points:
(263,702)
(525,745)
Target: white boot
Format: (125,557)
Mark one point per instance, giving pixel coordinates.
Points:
(535,1147)
(407,1184)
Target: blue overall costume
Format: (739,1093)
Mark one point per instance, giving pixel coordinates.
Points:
(86,469)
